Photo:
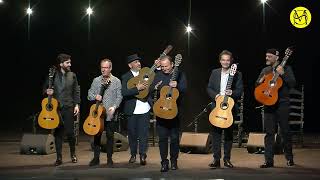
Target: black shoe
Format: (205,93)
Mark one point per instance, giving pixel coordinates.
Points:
(215,164)
(174,165)
(94,162)
(58,162)
(164,166)
(109,162)
(132,159)
(266,165)
(290,162)
(143,160)
(227,163)
(74,158)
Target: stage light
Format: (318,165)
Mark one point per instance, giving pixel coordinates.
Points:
(263,1)
(188,29)
(1,1)
(29,11)
(89,11)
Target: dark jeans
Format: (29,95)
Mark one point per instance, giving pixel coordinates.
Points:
(109,127)
(274,115)
(168,128)
(138,130)
(216,142)
(66,125)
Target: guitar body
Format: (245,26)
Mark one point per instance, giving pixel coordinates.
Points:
(49,116)
(94,124)
(221,116)
(166,106)
(267,94)
(145,75)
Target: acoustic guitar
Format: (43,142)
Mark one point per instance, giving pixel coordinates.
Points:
(49,116)
(94,124)
(166,106)
(146,75)
(221,116)
(266,92)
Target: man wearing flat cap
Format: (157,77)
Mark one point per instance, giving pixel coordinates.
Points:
(279,112)
(137,112)
(67,91)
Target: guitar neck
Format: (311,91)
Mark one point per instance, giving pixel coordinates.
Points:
(153,67)
(283,63)
(229,83)
(174,74)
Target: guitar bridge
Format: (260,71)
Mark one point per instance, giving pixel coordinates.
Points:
(165,108)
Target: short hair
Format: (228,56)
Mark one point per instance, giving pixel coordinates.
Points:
(166,57)
(106,60)
(63,57)
(226,52)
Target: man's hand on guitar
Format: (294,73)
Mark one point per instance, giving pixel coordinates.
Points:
(173,84)
(228,92)
(157,85)
(141,86)
(261,79)
(98,97)
(157,62)
(111,111)
(50,92)
(280,70)
(76,110)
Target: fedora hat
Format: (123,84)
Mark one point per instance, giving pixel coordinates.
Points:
(133,57)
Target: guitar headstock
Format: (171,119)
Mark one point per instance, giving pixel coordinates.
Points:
(52,71)
(178,60)
(233,69)
(105,81)
(288,51)
(167,50)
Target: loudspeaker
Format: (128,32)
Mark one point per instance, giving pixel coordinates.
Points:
(121,142)
(37,144)
(255,143)
(196,142)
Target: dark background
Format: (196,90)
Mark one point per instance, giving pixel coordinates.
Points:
(120,28)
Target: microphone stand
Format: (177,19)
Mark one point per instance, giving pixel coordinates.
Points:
(195,120)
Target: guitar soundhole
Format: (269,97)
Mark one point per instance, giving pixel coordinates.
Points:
(168,96)
(224,106)
(49,107)
(272,83)
(146,77)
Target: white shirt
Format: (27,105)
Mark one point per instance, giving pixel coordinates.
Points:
(223,82)
(141,107)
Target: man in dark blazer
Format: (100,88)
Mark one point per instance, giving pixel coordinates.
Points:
(216,87)
(137,112)
(279,112)
(67,91)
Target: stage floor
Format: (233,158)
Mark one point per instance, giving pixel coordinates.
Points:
(192,166)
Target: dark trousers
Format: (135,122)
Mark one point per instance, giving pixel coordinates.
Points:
(216,142)
(109,127)
(274,115)
(168,129)
(67,126)
(138,130)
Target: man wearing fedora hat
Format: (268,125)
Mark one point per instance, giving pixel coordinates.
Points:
(137,112)
(279,112)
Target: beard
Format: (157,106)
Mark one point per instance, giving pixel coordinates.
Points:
(66,69)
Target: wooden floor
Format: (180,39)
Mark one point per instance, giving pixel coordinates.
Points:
(14,165)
